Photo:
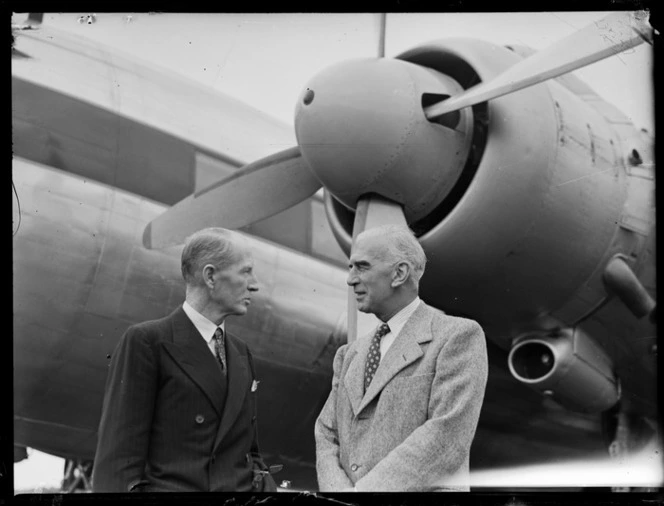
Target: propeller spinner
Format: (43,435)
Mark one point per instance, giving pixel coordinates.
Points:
(361,129)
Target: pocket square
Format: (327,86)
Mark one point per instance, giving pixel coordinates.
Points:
(254,385)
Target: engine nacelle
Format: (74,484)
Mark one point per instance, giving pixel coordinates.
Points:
(567,365)
(538,203)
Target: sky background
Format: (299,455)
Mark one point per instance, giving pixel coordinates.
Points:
(266,60)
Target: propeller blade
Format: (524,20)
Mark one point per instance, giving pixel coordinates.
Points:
(372,211)
(254,192)
(611,35)
(621,280)
(381,35)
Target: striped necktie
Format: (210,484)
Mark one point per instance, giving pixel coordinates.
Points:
(373,358)
(220,348)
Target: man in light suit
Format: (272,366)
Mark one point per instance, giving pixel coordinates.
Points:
(405,399)
(179,412)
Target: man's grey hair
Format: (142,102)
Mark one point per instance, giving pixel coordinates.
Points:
(212,245)
(401,245)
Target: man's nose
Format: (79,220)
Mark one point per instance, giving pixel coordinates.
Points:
(253,284)
(352,280)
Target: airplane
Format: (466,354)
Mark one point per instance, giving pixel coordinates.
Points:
(535,207)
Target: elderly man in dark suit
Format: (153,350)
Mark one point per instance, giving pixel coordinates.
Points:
(179,412)
(406,398)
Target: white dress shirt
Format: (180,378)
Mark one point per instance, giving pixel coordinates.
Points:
(205,327)
(396,323)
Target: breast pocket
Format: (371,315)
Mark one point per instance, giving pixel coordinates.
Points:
(251,400)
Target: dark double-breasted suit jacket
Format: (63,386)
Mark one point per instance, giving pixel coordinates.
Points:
(170,420)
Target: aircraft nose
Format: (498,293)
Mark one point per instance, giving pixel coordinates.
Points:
(361,129)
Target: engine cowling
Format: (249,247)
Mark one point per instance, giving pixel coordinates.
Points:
(534,211)
(567,365)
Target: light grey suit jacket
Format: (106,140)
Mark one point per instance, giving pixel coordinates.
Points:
(413,428)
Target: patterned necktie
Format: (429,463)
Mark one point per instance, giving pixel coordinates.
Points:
(373,358)
(219,348)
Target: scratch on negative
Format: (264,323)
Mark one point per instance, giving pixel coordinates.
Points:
(583,177)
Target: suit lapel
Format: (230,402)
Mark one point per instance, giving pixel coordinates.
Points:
(193,356)
(354,379)
(405,350)
(238,380)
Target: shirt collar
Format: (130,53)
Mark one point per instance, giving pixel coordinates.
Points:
(205,327)
(397,322)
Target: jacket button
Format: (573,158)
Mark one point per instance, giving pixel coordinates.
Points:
(354,467)
(200,419)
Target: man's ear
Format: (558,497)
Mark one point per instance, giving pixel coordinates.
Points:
(400,274)
(208,275)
